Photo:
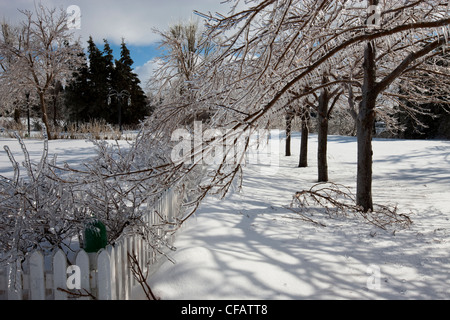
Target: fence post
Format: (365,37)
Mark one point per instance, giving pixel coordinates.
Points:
(37,277)
(142,253)
(82,261)
(104,275)
(59,275)
(137,252)
(119,270)
(125,277)
(131,251)
(14,281)
(112,256)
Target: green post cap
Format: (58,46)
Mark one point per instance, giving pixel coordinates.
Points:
(95,237)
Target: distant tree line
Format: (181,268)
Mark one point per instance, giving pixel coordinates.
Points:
(90,95)
(45,73)
(433,122)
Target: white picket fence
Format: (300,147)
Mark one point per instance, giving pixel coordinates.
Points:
(106,275)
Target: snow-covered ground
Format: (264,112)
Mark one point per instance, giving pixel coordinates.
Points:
(74,152)
(249,246)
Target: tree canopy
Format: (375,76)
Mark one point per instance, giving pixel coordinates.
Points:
(100,76)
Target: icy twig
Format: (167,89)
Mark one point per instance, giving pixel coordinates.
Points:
(338,201)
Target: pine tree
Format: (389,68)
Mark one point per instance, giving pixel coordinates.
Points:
(44,54)
(99,75)
(87,95)
(125,79)
(77,94)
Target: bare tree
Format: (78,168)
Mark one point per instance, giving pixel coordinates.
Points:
(184,50)
(269,56)
(408,51)
(8,38)
(303,157)
(290,115)
(273,49)
(43,54)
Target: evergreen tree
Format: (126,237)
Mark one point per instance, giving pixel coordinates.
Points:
(99,76)
(126,79)
(87,94)
(77,94)
(110,111)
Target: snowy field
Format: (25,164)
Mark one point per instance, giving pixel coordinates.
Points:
(249,246)
(74,152)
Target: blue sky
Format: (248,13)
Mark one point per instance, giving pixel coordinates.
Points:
(133,20)
(141,55)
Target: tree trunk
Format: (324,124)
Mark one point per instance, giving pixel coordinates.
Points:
(289,119)
(365,155)
(365,121)
(44,113)
(322,162)
(27,96)
(304,143)
(55,107)
(17,115)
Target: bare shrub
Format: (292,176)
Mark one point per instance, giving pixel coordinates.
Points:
(338,201)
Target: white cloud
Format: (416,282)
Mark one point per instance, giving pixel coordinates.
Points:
(133,20)
(146,71)
(117,19)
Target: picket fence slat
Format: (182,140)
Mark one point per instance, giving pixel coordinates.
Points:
(13,282)
(125,268)
(112,254)
(105,275)
(119,272)
(82,261)
(129,271)
(37,276)
(59,275)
